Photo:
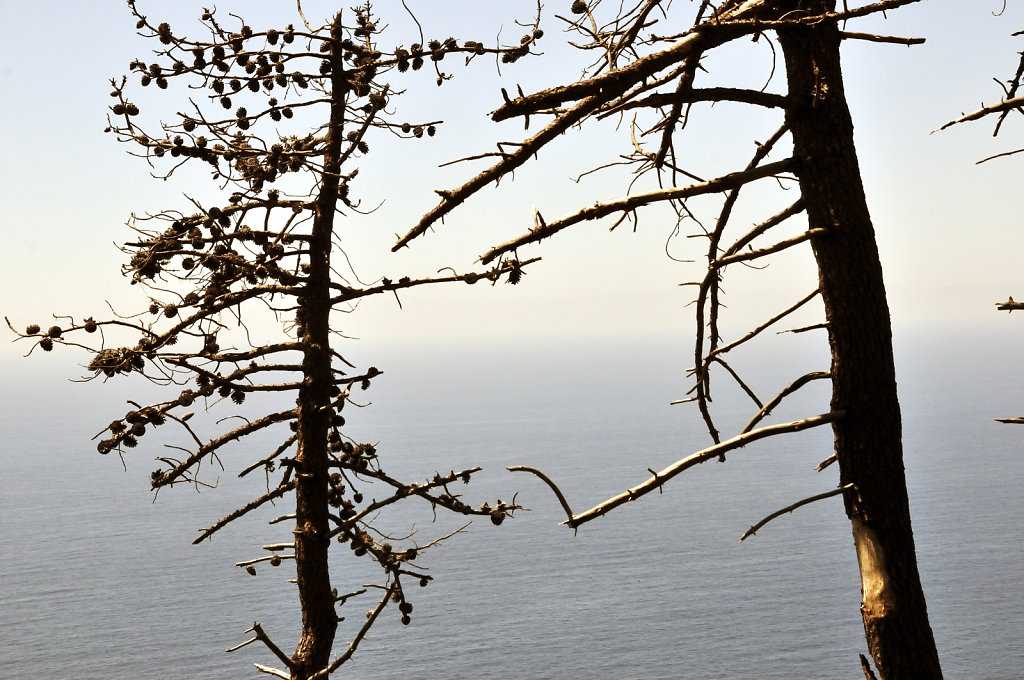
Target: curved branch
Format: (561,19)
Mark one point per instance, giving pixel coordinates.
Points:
(790,508)
(777,399)
(704,455)
(547,480)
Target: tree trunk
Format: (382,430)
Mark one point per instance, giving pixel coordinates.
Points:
(868,439)
(312,541)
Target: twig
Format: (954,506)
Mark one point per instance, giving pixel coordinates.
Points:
(261,635)
(777,399)
(850,35)
(760,229)
(1004,154)
(768,250)
(276,493)
(739,381)
(700,457)
(629,203)
(804,329)
(790,508)
(789,310)
(1006,105)
(547,480)
(825,463)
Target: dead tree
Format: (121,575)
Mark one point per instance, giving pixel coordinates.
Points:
(649,72)
(263,255)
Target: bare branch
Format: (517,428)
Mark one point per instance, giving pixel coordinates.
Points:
(850,35)
(704,455)
(280,491)
(547,480)
(262,636)
(790,508)
(777,399)
(767,324)
(768,250)
(1006,105)
(629,203)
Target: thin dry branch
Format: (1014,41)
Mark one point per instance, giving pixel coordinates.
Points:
(871,37)
(630,203)
(777,399)
(790,508)
(768,250)
(213,445)
(1005,105)
(262,636)
(704,455)
(706,94)
(767,324)
(763,227)
(547,480)
(247,508)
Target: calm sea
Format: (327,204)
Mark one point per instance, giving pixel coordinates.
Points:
(98,581)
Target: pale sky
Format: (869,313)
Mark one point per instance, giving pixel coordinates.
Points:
(948,229)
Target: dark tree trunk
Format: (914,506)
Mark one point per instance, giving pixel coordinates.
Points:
(312,542)
(868,439)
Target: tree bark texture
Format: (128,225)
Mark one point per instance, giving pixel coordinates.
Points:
(868,439)
(312,530)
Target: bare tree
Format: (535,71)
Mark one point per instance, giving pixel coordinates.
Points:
(279,117)
(650,74)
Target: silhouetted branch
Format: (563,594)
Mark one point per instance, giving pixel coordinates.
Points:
(767,324)
(634,201)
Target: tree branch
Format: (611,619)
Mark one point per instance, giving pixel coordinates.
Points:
(1006,105)
(790,508)
(659,478)
(261,635)
(777,399)
(629,203)
(547,480)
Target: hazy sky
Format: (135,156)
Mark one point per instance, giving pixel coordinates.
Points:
(948,229)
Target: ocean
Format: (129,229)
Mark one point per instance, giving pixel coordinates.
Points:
(100,581)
